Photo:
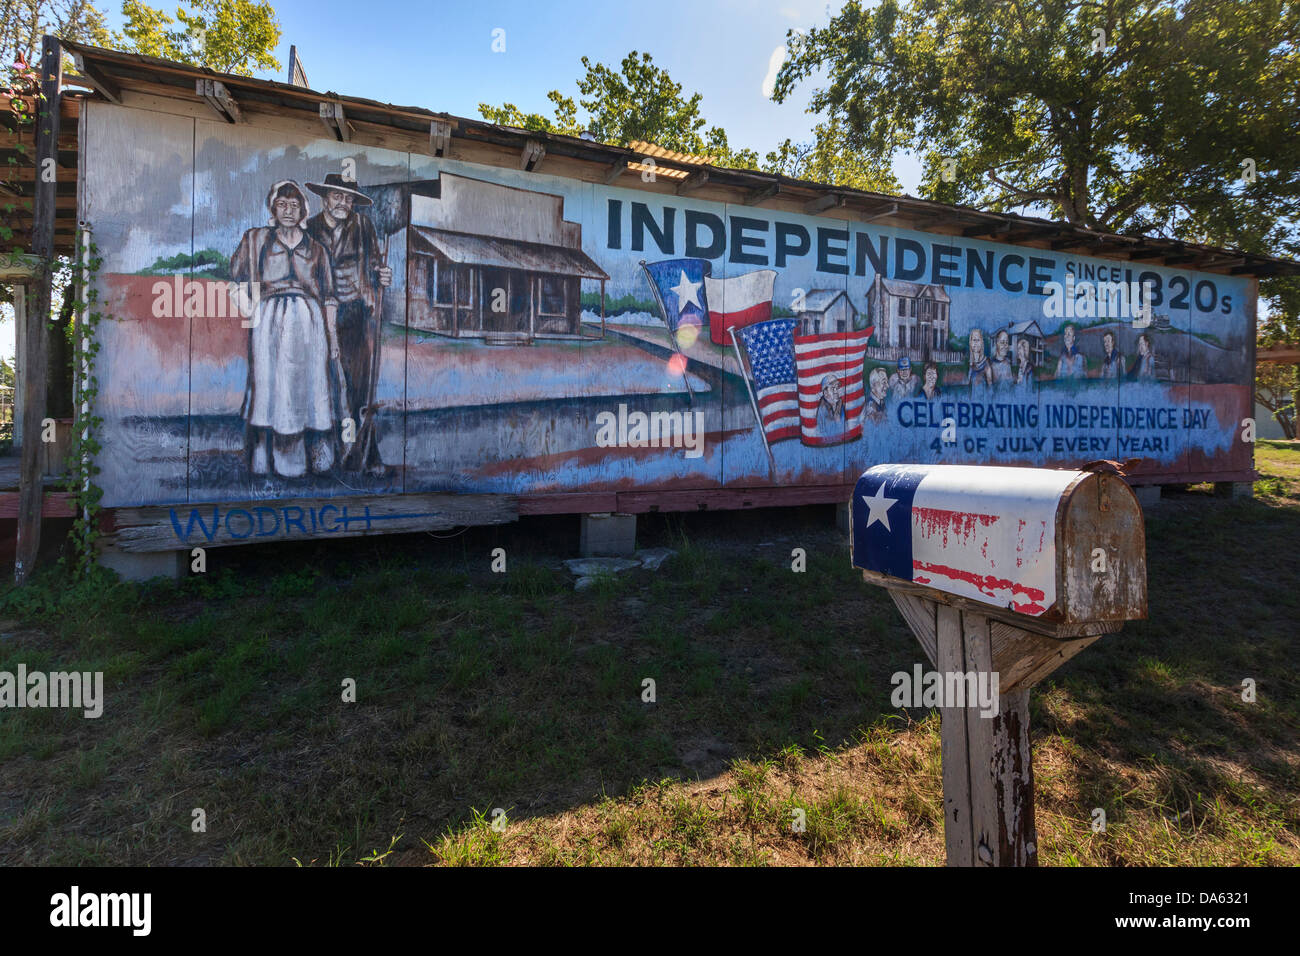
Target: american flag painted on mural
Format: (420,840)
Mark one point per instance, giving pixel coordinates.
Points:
(770,347)
(915,522)
(839,356)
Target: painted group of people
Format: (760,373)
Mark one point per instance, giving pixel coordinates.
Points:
(314,332)
(1073,364)
(986,373)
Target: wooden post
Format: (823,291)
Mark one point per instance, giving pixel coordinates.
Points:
(988,780)
(30,485)
(20,343)
(988,775)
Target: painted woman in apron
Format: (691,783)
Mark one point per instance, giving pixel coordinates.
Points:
(288,401)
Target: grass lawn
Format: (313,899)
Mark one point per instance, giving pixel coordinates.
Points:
(478,693)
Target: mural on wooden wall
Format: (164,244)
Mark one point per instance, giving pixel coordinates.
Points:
(312,318)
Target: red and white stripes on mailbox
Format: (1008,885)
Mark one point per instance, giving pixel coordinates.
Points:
(985,533)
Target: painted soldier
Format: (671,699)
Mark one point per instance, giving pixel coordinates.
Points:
(360,275)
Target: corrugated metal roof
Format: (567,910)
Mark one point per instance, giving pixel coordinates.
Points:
(465,249)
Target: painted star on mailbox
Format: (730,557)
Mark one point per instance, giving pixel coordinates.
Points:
(687,294)
(878,506)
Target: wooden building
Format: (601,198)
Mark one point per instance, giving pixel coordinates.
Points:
(826,310)
(911,316)
(1030,332)
(511,270)
(500,244)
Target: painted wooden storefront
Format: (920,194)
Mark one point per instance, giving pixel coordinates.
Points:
(624,347)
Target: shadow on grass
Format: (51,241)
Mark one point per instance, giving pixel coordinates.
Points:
(476,691)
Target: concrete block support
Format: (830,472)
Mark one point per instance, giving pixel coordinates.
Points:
(842,517)
(607,534)
(1234,489)
(144,565)
(1147,495)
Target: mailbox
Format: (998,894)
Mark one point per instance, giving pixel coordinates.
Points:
(1064,547)
(1002,574)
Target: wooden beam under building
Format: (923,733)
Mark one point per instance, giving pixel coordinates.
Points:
(31,490)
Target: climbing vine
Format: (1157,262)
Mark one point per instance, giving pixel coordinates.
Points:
(87,428)
(20,93)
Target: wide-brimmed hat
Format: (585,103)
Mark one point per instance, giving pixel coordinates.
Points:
(336,183)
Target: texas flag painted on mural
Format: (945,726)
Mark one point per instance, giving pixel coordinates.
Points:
(831,395)
(678,285)
(738,301)
(984,533)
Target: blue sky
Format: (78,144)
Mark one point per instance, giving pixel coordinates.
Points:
(439,56)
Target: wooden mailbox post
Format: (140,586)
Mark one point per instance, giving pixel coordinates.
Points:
(1006,573)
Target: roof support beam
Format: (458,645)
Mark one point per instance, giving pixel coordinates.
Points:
(884,214)
(1263,269)
(615,171)
(1075,242)
(762,193)
(823,202)
(97,80)
(694,181)
(986,229)
(1220,262)
(215,94)
(531,156)
(439,137)
(331,114)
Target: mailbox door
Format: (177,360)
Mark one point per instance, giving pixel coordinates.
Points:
(1102,552)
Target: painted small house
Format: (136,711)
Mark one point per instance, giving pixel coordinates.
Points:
(495,262)
(1029,331)
(826,310)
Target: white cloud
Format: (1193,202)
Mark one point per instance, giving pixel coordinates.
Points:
(773,66)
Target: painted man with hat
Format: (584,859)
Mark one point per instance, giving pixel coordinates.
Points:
(903,384)
(360,273)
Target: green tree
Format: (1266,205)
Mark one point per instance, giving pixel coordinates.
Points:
(229,36)
(1150,116)
(830,159)
(639,101)
(24,22)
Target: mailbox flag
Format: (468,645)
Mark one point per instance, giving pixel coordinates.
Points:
(739,301)
(678,285)
(985,533)
(770,347)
